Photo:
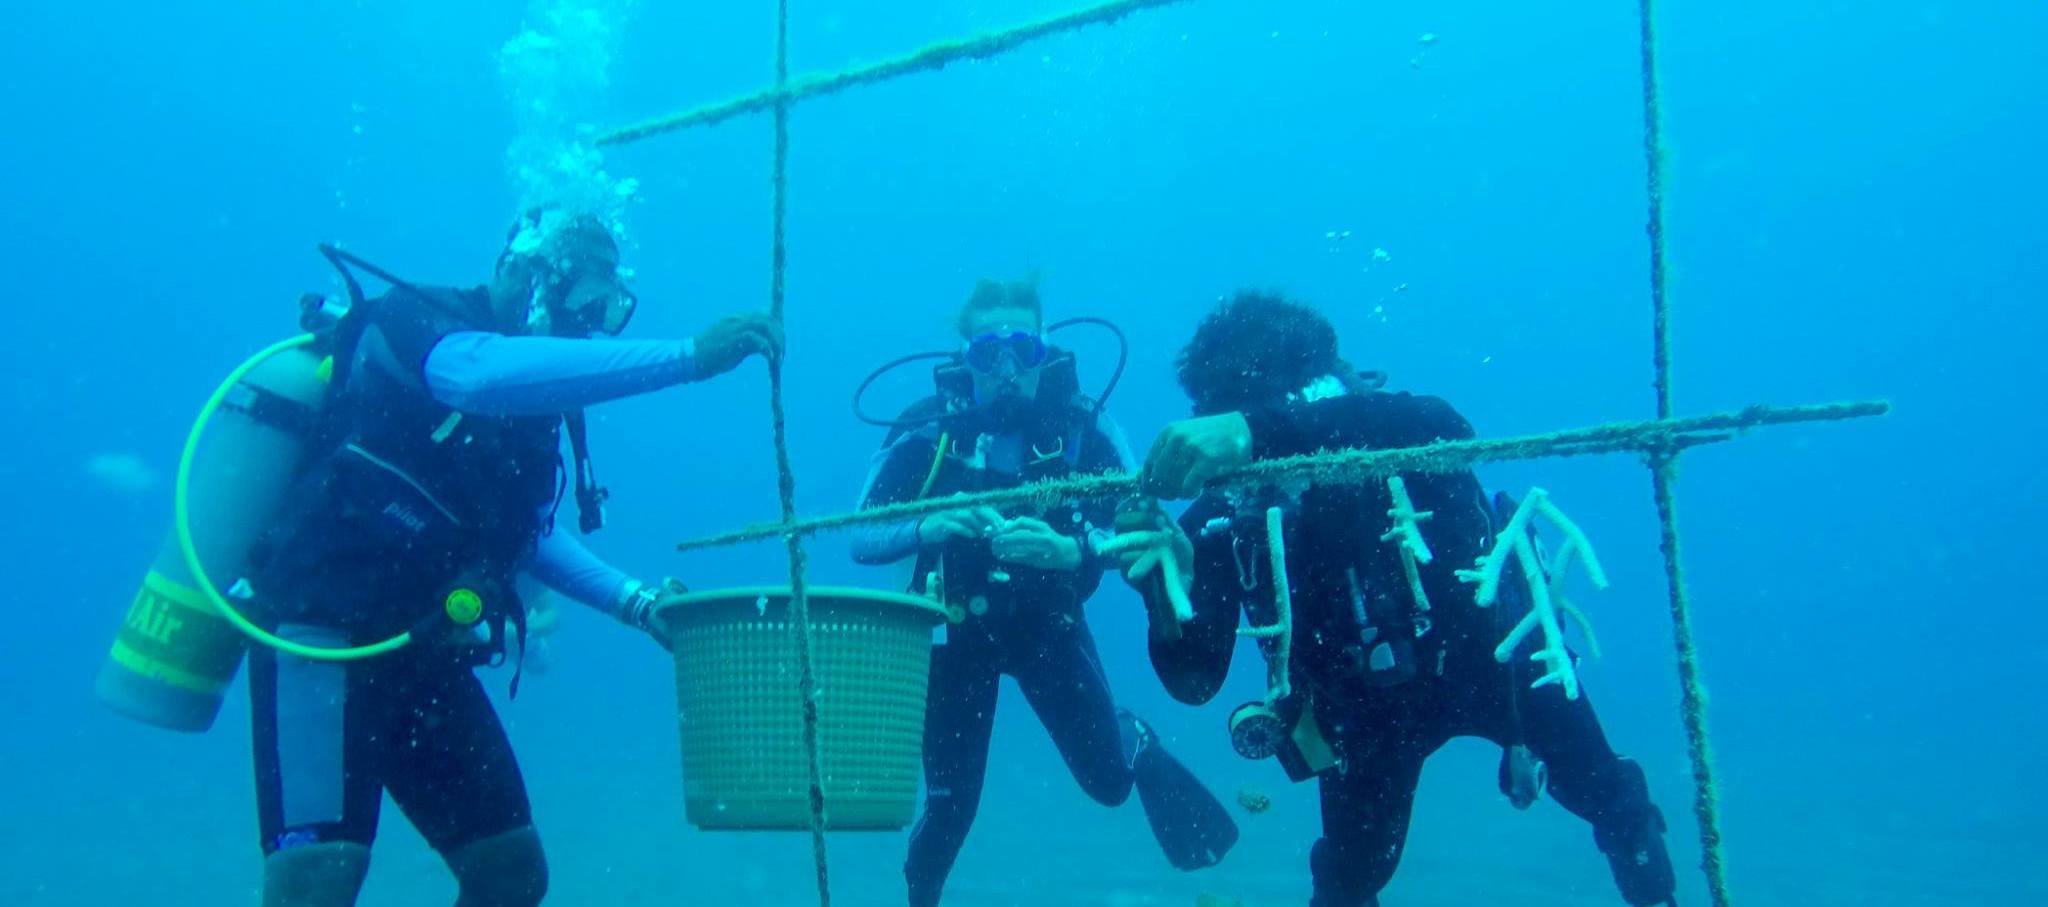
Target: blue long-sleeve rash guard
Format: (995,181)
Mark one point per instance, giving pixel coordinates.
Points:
(500,375)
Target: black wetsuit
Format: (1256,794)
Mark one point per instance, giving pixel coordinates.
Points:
(1389,683)
(1027,623)
(405,501)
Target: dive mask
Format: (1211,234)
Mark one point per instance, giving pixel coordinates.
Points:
(597,302)
(985,353)
(573,263)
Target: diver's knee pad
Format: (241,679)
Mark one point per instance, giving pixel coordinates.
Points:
(315,875)
(508,869)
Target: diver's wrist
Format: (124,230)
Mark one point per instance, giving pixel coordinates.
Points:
(1068,554)
(688,357)
(634,604)
(1091,554)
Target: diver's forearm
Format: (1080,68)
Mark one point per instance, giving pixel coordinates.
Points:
(501,375)
(563,564)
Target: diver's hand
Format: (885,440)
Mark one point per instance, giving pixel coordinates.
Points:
(1032,543)
(1156,563)
(1189,453)
(728,342)
(643,609)
(1142,554)
(965,523)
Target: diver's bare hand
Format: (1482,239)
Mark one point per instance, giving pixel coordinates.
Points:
(1033,543)
(1158,562)
(1140,555)
(1191,452)
(728,342)
(965,523)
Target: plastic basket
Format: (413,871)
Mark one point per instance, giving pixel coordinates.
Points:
(744,764)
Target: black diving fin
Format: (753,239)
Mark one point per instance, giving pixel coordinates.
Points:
(1194,828)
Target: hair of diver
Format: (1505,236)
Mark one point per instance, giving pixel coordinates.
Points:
(1116,375)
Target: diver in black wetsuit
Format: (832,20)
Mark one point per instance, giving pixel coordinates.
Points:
(434,479)
(1378,684)
(1009,411)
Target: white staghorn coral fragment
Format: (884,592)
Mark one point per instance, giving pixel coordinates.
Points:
(1281,631)
(1546,588)
(1407,531)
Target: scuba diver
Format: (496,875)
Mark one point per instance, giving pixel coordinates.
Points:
(1376,681)
(1008,411)
(436,477)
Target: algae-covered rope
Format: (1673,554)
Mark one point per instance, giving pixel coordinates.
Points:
(934,56)
(799,594)
(1664,478)
(1692,689)
(1355,466)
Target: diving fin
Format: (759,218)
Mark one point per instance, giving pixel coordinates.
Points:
(1632,837)
(1523,776)
(1193,828)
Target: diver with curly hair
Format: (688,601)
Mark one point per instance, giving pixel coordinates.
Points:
(1378,683)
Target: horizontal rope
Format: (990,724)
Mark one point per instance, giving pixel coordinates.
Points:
(931,57)
(1355,466)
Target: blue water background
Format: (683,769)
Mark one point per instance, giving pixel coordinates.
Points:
(1854,189)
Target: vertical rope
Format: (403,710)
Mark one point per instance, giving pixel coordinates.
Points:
(1664,478)
(799,601)
(1706,804)
(1653,152)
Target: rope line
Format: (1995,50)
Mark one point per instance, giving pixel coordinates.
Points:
(799,593)
(1355,466)
(1692,703)
(1653,154)
(931,57)
(1692,699)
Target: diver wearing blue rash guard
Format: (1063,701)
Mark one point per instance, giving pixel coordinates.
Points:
(439,469)
(1014,585)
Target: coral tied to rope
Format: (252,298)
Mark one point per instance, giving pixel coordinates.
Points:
(1545,583)
(1279,667)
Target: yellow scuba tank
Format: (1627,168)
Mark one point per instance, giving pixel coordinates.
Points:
(175,653)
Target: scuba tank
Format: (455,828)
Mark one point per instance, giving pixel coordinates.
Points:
(177,650)
(175,654)
(183,639)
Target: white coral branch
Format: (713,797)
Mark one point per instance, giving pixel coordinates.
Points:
(1553,653)
(1407,532)
(1487,571)
(1281,631)
(1546,588)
